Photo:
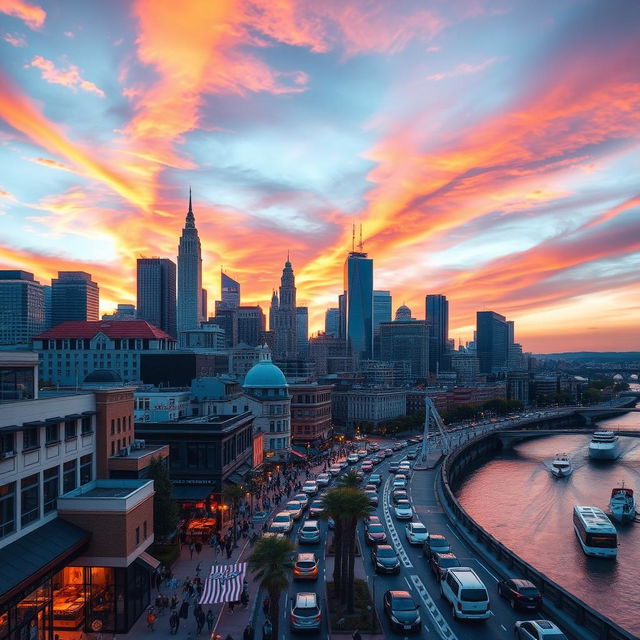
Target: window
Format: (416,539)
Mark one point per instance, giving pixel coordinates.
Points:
(272,426)
(30,498)
(69,481)
(113,426)
(7,509)
(113,448)
(144,529)
(7,445)
(52,433)
(87,427)
(51,485)
(118,425)
(86,469)
(137,535)
(31,438)
(70,429)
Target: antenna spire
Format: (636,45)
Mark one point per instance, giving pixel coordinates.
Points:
(353,238)
(360,243)
(190,221)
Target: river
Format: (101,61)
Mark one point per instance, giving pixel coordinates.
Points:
(531,513)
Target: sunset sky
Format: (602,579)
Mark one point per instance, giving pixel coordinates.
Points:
(490,149)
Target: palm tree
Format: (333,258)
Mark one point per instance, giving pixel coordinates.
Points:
(349,479)
(234,493)
(271,561)
(332,501)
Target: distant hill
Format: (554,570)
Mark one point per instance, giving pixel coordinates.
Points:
(604,356)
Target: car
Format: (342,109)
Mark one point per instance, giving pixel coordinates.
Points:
(305,566)
(385,559)
(399,494)
(373,518)
(441,562)
(282,523)
(435,543)
(367,466)
(272,534)
(317,508)
(412,455)
(521,594)
(372,496)
(402,611)
(309,533)
(352,458)
(359,475)
(375,478)
(537,630)
(416,532)
(362,453)
(370,487)
(400,483)
(323,479)
(303,499)
(388,452)
(405,468)
(403,510)
(335,469)
(466,593)
(374,533)
(294,508)
(310,487)
(343,464)
(393,467)
(306,614)
(397,446)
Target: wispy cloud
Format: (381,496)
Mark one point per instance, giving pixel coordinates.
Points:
(69,77)
(464,69)
(32,15)
(15,39)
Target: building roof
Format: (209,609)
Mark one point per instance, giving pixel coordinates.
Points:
(103,375)
(264,375)
(115,329)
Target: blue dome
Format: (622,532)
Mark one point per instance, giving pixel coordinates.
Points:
(265,375)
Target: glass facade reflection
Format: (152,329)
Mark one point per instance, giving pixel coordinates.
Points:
(16,383)
(358,284)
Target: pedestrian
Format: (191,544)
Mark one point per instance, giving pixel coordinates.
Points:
(184,609)
(247,634)
(198,568)
(192,548)
(210,620)
(265,606)
(267,630)
(174,622)
(200,622)
(244,598)
(232,605)
(151,619)
(198,547)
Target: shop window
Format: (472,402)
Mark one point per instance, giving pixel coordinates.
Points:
(69,599)
(7,509)
(31,438)
(52,433)
(51,486)
(69,481)
(30,499)
(70,429)
(86,469)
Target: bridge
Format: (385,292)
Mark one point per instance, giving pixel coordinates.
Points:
(509,437)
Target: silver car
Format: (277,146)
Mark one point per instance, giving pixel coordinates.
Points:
(305,612)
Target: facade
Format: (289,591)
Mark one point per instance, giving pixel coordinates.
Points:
(156,293)
(72,350)
(79,539)
(283,316)
(161,405)
(229,293)
(358,287)
(518,387)
(327,352)
(74,297)
(467,367)
(491,341)
(310,413)
(332,321)
(437,316)
(227,320)
(302,331)
(122,312)
(189,305)
(382,303)
(357,408)
(22,308)
(179,368)
(251,323)
(297,370)
(379,373)
(406,341)
(209,337)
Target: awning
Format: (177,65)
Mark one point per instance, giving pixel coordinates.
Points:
(73,416)
(89,413)
(235,478)
(56,419)
(149,559)
(224,584)
(34,423)
(48,548)
(188,492)
(298,454)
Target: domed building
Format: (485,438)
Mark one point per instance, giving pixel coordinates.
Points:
(403,313)
(103,378)
(266,387)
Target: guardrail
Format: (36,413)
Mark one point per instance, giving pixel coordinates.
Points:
(563,603)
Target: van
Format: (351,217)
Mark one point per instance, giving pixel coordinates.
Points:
(467,594)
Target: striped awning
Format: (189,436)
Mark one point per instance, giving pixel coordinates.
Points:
(224,583)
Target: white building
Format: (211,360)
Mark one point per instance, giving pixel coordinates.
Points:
(161,405)
(350,408)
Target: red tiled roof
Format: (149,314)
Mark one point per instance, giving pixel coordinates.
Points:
(115,329)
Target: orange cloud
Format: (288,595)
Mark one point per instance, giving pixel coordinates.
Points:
(53,164)
(15,39)
(32,15)
(69,77)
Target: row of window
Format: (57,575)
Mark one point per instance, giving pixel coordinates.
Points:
(118,444)
(31,436)
(279,443)
(306,413)
(136,344)
(276,426)
(307,398)
(35,504)
(311,429)
(121,424)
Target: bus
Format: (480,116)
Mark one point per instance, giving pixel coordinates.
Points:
(596,534)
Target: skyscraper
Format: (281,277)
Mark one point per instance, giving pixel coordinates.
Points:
(381,308)
(189,307)
(284,316)
(492,337)
(74,296)
(229,293)
(332,321)
(156,293)
(406,340)
(437,316)
(22,308)
(358,287)
(251,324)
(302,331)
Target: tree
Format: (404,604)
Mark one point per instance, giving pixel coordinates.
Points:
(349,479)
(271,562)
(165,510)
(233,494)
(591,395)
(332,506)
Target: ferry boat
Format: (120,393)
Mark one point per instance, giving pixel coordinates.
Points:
(604,446)
(596,534)
(561,466)
(622,504)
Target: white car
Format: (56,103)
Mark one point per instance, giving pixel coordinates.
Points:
(416,532)
(282,523)
(403,510)
(294,508)
(400,483)
(352,458)
(310,487)
(335,469)
(323,479)
(303,499)
(538,630)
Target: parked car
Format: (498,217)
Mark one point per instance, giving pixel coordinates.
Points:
(521,594)
(305,612)
(441,562)
(305,566)
(385,559)
(537,630)
(466,593)
(370,487)
(309,533)
(323,479)
(402,611)
(416,532)
(374,533)
(403,510)
(435,543)
(310,487)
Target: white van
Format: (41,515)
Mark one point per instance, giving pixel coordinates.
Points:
(467,594)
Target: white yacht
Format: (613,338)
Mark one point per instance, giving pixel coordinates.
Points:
(561,466)
(604,446)
(622,504)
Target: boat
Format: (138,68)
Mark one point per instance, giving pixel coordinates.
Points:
(561,466)
(604,446)
(622,504)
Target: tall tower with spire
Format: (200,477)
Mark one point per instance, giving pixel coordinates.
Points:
(189,307)
(284,317)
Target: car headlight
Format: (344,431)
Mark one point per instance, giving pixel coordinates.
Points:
(394,619)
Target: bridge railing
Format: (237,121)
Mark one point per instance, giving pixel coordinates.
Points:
(564,604)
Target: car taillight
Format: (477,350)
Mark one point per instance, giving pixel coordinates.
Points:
(317,618)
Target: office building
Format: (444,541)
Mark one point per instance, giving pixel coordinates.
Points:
(327,352)
(122,312)
(283,316)
(251,322)
(22,308)
(208,338)
(358,287)
(467,367)
(382,302)
(437,316)
(302,331)
(406,340)
(491,341)
(189,304)
(156,293)
(74,297)
(229,293)
(310,414)
(332,322)
(365,409)
(227,320)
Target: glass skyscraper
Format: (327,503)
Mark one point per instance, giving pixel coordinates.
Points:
(381,308)
(74,296)
(156,293)
(492,340)
(358,286)
(437,316)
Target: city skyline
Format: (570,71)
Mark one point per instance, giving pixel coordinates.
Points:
(519,197)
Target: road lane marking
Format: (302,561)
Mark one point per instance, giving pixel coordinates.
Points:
(393,533)
(441,625)
(503,627)
(452,531)
(487,570)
